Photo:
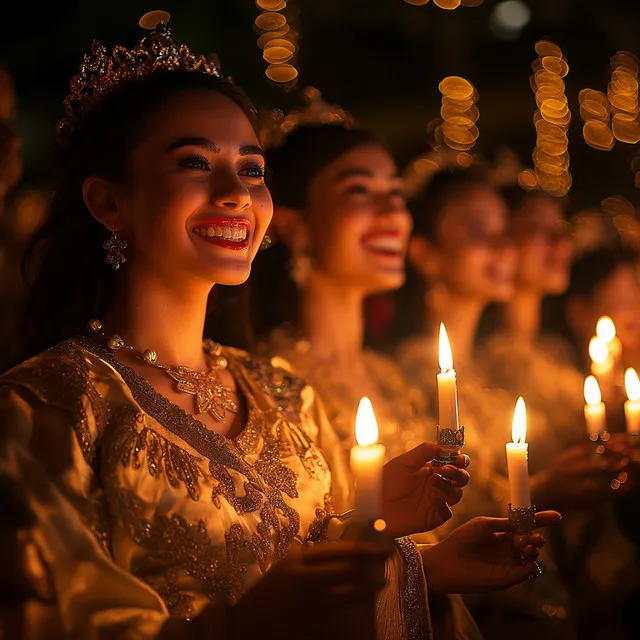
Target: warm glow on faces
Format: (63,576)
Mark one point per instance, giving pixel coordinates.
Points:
(196,207)
(476,258)
(544,247)
(358,221)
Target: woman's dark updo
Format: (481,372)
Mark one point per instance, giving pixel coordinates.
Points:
(64,264)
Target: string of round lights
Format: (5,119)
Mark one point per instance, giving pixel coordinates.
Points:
(551,119)
(278,39)
(456,129)
(622,94)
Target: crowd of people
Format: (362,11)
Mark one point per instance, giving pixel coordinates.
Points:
(159,486)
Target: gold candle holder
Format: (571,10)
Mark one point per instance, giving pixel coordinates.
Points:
(451,442)
(523,520)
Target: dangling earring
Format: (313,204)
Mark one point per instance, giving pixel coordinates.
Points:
(267,241)
(115,250)
(300,266)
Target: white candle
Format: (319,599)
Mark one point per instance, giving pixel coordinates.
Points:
(594,410)
(447,386)
(632,405)
(367,460)
(518,458)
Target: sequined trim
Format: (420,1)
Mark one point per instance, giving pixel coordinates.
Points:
(280,385)
(170,538)
(414,593)
(136,439)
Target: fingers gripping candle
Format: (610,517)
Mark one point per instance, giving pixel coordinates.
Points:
(450,433)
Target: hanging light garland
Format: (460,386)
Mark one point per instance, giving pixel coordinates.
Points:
(456,129)
(551,119)
(278,39)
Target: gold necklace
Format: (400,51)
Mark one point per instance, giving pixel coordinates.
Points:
(211,396)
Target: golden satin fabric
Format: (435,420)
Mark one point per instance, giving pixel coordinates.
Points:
(143,513)
(403,421)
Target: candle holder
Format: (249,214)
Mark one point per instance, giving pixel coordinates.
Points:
(598,443)
(451,442)
(523,519)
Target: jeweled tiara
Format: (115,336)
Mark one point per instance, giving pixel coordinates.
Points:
(102,72)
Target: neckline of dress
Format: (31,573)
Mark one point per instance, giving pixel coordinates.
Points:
(172,417)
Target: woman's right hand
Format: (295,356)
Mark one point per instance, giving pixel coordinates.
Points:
(577,479)
(310,585)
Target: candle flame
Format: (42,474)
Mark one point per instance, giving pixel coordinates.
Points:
(519,425)
(445,357)
(598,350)
(605,329)
(632,384)
(592,393)
(366,425)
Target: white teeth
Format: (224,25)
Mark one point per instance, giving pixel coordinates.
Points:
(385,244)
(228,232)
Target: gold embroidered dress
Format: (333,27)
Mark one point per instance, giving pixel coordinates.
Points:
(400,407)
(142,512)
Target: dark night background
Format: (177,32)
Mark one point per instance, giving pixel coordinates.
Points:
(380,59)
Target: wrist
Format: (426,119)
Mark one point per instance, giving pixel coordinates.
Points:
(431,564)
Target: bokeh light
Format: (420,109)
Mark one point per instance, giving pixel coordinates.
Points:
(551,119)
(278,40)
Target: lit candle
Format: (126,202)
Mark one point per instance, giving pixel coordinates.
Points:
(518,458)
(367,459)
(601,360)
(606,330)
(632,405)
(447,387)
(594,411)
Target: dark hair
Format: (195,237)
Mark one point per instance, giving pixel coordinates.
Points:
(516,197)
(64,264)
(426,209)
(292,167)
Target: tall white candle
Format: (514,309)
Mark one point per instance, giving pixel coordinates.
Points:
(632,405)
(518,458)
(447,386)
(594,411)
(367,460)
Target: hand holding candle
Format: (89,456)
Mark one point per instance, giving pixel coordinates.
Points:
(367,460)
(518,458)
